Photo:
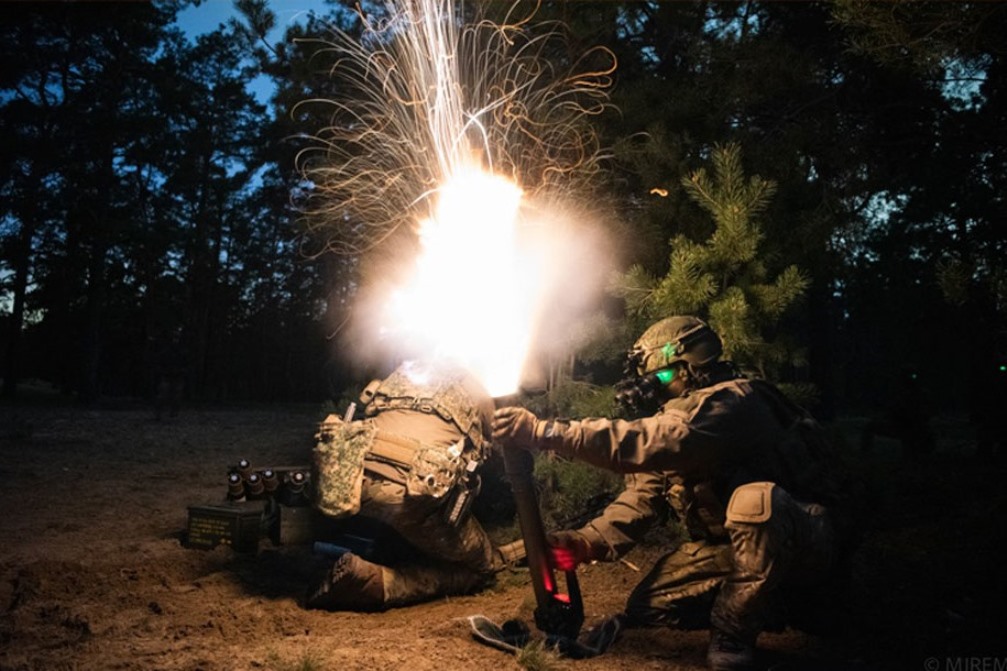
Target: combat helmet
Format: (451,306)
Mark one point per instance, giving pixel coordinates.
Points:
(673,340)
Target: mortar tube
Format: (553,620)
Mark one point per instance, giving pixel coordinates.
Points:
(556,614)
(519,465)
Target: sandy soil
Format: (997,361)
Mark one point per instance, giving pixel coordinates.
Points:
(93,574)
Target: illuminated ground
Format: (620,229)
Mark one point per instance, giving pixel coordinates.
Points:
(92,575)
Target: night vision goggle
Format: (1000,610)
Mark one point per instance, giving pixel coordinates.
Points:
(643,395)
(665,376)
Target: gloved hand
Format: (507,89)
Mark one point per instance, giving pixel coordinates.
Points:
(568,548)
(514,427)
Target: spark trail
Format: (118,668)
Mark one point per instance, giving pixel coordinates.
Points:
(465,136)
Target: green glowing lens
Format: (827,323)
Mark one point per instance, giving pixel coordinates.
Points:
(665,376)
(1003,368)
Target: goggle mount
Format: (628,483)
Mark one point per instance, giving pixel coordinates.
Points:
(643,395)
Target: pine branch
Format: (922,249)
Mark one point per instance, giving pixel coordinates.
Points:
(725,277)
(635,286)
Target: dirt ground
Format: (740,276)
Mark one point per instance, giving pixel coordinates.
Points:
(93,575)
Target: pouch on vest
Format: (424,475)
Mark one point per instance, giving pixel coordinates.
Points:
(435,471)
(461,498)
(339,464)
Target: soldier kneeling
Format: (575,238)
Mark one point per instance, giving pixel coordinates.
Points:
(749,475)
(406,474)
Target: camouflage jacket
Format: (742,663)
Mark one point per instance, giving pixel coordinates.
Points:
(692,454)
(435,406)
(422,428)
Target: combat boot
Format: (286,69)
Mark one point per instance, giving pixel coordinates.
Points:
(729,653)
(351,583)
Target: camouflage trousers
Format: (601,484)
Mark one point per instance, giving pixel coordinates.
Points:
(777,546)
(422,555)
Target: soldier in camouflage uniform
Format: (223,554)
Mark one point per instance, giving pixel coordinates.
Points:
(739,464)
(406,472)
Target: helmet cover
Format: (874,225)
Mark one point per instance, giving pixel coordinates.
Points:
(673,340)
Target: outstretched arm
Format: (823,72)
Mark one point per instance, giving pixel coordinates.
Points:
(622,524)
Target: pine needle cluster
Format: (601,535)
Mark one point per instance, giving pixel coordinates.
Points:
(726,279)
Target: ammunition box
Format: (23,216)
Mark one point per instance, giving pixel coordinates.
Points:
(234,523)
(297,525)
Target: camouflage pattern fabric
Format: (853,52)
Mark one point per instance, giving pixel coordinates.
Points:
(680,589)
(392,476)
(445,396)
(795,550)
(339,464)
(736,435)
(419,521)
(740,586)
(434,472)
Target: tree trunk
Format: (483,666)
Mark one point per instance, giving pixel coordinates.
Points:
(22,263)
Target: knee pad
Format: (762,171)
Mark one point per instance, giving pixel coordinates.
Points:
(751,503)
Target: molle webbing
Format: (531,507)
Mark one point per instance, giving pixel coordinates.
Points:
(393,448)
(445,398)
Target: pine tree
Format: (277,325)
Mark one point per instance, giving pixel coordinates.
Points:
(725,279)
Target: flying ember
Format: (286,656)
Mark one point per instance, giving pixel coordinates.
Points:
(456,128)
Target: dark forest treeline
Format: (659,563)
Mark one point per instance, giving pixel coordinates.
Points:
(147,223)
